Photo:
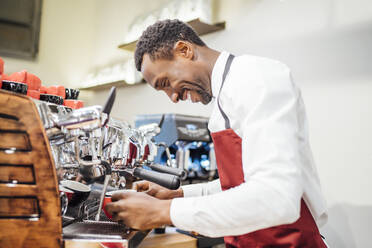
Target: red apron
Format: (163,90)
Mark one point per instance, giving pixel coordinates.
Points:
(228,148)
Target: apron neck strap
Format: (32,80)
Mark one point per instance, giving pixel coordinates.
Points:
(226,71)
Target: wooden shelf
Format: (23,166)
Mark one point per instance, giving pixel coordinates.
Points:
(109,85)
(200,27)
(131,46)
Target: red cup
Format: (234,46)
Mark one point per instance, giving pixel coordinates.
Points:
(61,91)
(118,244)
(33,82)
(34,94)
(5,77)
(69,193)
(43,89)
(74,104)
(57,90)
(1,66)
(52,90)
(19,77)
(80,191)
(108,199)
(105,201)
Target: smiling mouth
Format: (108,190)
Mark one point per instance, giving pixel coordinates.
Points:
(185,93)
(188,95)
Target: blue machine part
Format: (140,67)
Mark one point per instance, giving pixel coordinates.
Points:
(176,127)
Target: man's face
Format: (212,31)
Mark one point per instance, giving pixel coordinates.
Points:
(180,78)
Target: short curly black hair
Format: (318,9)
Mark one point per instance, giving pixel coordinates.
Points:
(158,40)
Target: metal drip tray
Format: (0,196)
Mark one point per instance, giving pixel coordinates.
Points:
(100,232)
(96,230)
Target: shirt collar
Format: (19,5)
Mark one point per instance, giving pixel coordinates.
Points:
(217,73)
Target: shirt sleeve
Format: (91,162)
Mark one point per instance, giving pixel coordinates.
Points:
(201,189)
(271,193)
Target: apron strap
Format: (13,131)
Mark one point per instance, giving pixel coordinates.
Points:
(226,71)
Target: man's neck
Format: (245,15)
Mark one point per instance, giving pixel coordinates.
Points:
(209,58)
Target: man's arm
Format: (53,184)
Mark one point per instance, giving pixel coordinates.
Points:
(190,190)
(202,189)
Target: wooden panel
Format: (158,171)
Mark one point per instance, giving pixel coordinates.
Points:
(15,158)
(45,231)
(14,140)
(17,189)
(10,122)
(19,207)
(21,174)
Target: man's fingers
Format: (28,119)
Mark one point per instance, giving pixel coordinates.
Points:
(120,195)
(141,186)
(151,192)
(122,216)
(114,207)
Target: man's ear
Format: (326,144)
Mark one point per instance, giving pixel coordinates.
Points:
(184,49)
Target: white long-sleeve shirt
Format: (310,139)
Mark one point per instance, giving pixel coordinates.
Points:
(266,110)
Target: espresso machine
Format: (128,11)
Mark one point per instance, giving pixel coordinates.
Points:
(185,143)
(71,159)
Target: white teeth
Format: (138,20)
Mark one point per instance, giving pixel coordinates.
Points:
(188,96)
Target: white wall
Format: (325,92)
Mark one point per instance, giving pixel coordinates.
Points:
(77,37)
(327,43)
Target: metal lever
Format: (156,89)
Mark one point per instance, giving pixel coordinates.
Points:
(102,197)
(167,152)
(110,101)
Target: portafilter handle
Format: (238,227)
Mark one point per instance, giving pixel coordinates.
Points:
(166,180)
(169,170)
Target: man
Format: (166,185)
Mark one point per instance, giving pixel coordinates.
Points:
(268,194)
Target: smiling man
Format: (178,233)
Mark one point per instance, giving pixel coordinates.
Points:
(186,64)
(268,193)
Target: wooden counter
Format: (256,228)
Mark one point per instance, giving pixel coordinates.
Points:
(169,239)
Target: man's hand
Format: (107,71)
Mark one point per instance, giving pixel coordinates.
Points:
(157,190)
(139,210)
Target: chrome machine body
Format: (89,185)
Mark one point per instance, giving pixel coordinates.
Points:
(99,153)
